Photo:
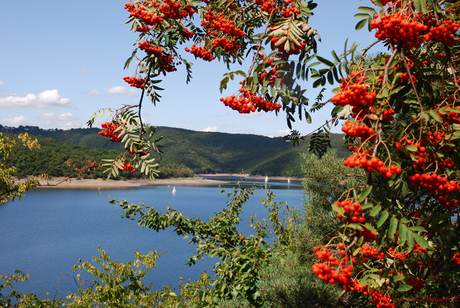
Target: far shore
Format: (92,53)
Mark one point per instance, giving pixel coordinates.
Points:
(61,183)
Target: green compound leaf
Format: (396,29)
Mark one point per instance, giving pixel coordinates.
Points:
(382,219)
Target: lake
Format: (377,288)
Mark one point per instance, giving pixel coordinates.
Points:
(48,230)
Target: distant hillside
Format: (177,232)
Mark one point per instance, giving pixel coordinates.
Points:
(205,152)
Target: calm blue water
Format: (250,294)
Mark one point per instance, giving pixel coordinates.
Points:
(48,230)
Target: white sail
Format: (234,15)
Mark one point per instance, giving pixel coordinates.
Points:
(174,190)
(266,179)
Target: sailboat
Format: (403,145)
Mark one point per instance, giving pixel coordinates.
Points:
(289,180)
(266,179)
(174,190)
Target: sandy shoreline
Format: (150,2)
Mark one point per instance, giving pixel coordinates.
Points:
(59,183)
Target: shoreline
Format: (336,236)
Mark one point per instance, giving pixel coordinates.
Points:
(251,177)
(61,183)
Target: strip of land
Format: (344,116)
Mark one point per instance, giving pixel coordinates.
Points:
(62,183)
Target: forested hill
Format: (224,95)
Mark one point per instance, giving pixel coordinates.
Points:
(204,152)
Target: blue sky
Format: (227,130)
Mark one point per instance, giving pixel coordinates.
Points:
(63,60)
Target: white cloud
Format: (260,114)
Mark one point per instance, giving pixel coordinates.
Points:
(123,91)
(94,93)
(281,133)
(80,71)
(46,99)
(53,120)
(16,121)
(68,117)
(210,129)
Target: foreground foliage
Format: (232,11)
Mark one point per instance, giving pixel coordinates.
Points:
(10,186)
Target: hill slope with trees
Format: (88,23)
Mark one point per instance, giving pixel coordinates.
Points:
(202,152)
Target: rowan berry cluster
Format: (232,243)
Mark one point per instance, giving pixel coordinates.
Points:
(187,33)
(292,10)
(110,130)
(456,258)
(418,249)
(372,164)
(368,235)
(228,45)
(402,256)
(449,116)
(409,32)
(127,166)
(444,33)
(143,29)
(166,61)
(352,211)
(369,251)
(213,22)
(439,186)
(135,82)
(415,282)
(400,29)
(358,131)
(201,52)
(141,11)
(267,5)
(271,74)
(326,273)
(174,10)
(436,184)
(247,102)
(388,115)
(354,93)
(150,50)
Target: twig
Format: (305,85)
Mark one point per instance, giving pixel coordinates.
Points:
(142,97)
(260,43)
(387,66)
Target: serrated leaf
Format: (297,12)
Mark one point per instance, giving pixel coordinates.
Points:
(397,278)
(361,15)
(370,228)
(366,206)
(412,148)
(436,116)
(366,9)
(375,210)
(382,219)
(404,288)
(361,24)
(281,41)
(338,209)
(421,241)
(402,235)
(365,193)
(393,227)
(364,280)
(417,228)
(325,61)
(410,240)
